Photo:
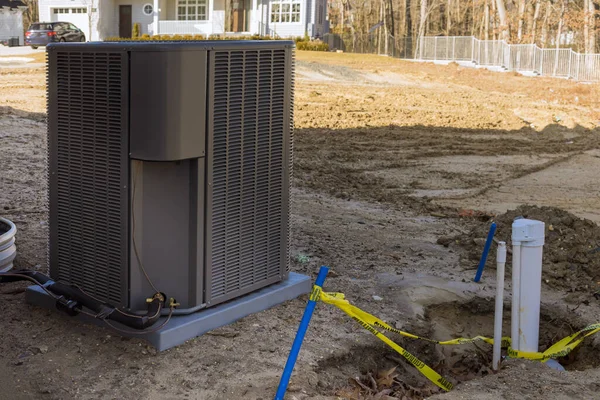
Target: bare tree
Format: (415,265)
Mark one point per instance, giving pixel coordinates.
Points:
(448,17)
(486,34)
(379,31)
(91,9)
(408,18)
(422,25)
(521,20)
(524,21)
(473,17)
(423,18)
(503,20)
(342,16)
(590,26)
(529,11)
(561,22)
(536,16)
(586,26)
(391,14)
(544,37)
(493,18)
(31,14)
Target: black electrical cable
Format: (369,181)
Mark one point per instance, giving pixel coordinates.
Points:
(71,300)
(158,328)
(116,309)
(22,277)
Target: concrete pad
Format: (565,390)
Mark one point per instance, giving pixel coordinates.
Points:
(184,327)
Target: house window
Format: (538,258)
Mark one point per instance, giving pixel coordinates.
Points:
(148,9)
(191,10)
(285,11)
(69,10)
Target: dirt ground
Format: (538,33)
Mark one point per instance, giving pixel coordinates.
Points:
(399,167)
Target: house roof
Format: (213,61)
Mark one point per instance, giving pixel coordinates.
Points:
(12,3)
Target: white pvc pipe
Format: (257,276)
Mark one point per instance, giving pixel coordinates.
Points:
(500,263)
(530,236)
(530,296)
(516,290)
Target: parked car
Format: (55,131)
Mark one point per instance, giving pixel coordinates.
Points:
(42,33)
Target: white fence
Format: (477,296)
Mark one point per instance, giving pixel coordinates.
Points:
(563,63)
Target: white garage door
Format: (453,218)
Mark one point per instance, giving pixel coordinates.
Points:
(76,16)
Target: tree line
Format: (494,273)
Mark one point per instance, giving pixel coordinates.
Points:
(547,23)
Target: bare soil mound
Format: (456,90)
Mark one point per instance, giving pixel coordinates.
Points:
(571,253)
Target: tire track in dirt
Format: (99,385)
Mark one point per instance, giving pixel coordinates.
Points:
(528,171)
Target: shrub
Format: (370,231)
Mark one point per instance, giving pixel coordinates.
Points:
(315,45)
(137,30)
(161,37)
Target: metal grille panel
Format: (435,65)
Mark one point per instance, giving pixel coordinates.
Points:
(291,154)
(251,144)
(88,171)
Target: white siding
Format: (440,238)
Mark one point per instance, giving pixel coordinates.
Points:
(167,10)
(218,16)
(250,15)
(311,17)
(214,24)
(308,18)
(137,14)
(289,29)
(262,16)
(108,24)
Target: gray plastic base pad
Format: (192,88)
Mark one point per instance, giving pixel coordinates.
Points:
(184,327)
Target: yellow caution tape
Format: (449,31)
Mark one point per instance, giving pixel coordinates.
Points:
(371,323)
(558,349)
(315,294)
(367,321)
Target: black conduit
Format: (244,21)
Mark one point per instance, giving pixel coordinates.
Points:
(71,299)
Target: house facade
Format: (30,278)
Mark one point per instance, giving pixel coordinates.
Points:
(100,19)
(11,20)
